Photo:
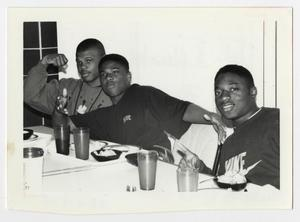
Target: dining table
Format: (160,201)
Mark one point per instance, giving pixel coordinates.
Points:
(68,176)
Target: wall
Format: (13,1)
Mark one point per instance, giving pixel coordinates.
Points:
(175,49)
(179,50)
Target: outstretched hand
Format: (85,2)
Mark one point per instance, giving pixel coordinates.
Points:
(192,161)
(164,154)
(189,159)
(218,125)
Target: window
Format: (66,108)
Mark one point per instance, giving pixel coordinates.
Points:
(39,39)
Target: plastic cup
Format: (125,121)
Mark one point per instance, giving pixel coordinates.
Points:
(147,161)
(187,180)
(62,139)
(82,142)
(33,159)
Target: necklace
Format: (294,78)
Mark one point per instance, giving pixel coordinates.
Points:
(95,99)
(248,118)
(77,98)
(254,114)
(74,111)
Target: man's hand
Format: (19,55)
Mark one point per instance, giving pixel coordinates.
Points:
(218,125)
(62,102)
(59,60)
(191,160)
(164,154)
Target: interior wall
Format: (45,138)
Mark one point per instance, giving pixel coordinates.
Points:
(177,50)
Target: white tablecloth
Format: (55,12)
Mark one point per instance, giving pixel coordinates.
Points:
(63,173)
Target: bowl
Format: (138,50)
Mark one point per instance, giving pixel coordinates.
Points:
(132,158)
(238,186)
(27,133)
(222,185)
(235,187)
(96,153)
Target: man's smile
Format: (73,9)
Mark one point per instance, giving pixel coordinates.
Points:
(227,107)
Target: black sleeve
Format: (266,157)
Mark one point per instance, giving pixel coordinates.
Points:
(95,121)
(167,110)
(268,171)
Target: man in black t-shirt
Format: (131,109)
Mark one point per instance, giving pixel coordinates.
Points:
(140,114)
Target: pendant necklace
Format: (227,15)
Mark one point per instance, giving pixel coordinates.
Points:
(76,103)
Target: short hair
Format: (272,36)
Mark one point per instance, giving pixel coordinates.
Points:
(116,58)
(90,43)
(239,71)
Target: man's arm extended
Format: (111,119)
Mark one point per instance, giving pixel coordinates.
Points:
(198,115)
(195,114)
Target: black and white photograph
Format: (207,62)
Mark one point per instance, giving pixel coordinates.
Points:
(140,110)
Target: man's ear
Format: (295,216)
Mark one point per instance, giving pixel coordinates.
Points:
(253,91)
(129,77)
